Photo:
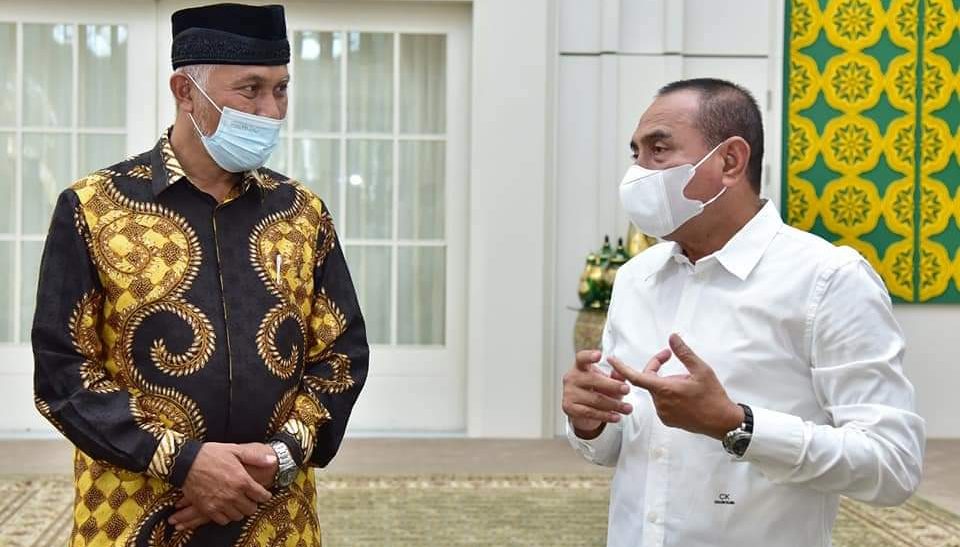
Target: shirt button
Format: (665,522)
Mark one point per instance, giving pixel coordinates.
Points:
(659,454)
(653,517)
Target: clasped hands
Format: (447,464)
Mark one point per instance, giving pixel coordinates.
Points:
(226,482)
(695,402)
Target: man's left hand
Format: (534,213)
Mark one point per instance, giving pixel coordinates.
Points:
(258,459)
(695,402)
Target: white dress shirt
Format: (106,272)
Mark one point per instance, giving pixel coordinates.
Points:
(801,331)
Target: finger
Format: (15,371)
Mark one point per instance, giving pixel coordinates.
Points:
(686,355)
(193,523)
(599,401)
(257,455)
(220,518)
(615,374)
(255,491)
(657,361)
(232,513)
(184,515)
(624,369)
(246,506)
(183,502)
(648,382)
(605,384)
(587,358)
(578,411)
(264,477)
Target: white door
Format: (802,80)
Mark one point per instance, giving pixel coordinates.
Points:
(77,93)
(378,127)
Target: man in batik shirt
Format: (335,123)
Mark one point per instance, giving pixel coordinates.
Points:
(197,335)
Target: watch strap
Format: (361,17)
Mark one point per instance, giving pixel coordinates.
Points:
(747,418)
(284,462)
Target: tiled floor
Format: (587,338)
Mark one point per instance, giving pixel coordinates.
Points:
(941,483)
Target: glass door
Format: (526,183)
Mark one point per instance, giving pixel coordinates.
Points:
(377,126)
(71,101)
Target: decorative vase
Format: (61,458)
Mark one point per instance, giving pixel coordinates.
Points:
(588,330)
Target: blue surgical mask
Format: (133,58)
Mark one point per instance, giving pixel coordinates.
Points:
(242,142)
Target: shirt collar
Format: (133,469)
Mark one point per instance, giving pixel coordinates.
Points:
(167,171)
(742,253)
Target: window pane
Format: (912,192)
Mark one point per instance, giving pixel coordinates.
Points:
(8,156)
(278,159)
(103,76)
(30,253)
(99,151)
(8,74)
(423,83)
(370,270)
(369,189)
(46,171)
(421,190)
(370,82)
(421,293)
(316,163)
(316,89)
(48,77)
(7,290)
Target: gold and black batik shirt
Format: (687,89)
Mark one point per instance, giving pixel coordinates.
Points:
(165,319)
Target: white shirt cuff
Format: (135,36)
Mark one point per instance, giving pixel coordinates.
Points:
(604,449)
(777,442)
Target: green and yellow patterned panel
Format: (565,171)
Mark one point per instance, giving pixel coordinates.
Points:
(939,215)
(856,142)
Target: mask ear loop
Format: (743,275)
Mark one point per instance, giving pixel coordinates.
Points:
(710,153)
(208,96)
(190,114)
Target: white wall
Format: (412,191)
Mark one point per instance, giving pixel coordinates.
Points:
(613,55)
(510,209)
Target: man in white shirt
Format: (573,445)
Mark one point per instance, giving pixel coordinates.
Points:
(750,372)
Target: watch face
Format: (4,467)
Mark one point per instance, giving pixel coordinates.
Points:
(286,476)
(736,442)
(740,445)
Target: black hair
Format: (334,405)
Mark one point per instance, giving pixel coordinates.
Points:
(727,110)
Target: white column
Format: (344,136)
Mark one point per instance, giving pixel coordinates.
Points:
(510,185)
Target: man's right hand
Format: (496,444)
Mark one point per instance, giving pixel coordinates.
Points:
(219,486)
(591,398)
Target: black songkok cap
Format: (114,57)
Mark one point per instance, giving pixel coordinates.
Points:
(230,34)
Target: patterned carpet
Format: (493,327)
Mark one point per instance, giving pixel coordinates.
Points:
(556,510)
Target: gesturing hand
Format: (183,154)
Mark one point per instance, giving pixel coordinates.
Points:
(591,398)
(259,461)
(695,401)
(219,487)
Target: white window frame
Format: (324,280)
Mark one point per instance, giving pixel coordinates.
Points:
(16,374)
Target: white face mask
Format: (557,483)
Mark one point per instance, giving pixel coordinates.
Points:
(654,200)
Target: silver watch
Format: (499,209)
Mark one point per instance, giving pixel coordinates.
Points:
(736,442)
(286,467)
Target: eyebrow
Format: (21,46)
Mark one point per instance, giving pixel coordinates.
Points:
(256,79)
(653,136)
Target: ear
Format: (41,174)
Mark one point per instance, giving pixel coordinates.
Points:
(736,156)
(183,92)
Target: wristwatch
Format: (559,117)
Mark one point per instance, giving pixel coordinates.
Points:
(736,442)
(286,467)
